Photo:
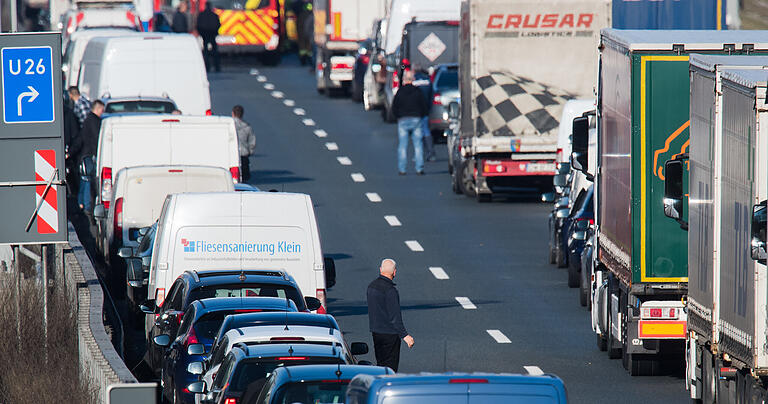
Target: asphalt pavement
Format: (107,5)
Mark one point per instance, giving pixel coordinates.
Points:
(475,286)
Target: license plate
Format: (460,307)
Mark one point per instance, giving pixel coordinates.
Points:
(540,167)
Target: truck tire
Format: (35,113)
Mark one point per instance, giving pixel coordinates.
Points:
(466,179)
(574,280)
(614,347)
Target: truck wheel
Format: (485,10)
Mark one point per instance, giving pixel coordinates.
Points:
(614,347)
(483,198)
(584,284)
(574,280)
(466,179)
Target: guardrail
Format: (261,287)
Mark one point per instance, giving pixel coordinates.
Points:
(99,360)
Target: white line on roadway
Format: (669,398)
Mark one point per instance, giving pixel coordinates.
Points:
(533,370)
(414,245)
(261,79)
(321,133)
(392,220)
(308,122)
(289,103)
(465,303)
(499,336)
(299,111)
(344,160)
(331,146)
(254,72)
(269,86)
(357,177)
(439,272)
(373,196)
(277,94)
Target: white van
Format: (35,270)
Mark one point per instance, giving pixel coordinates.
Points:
(402,12)
(139,193)
(140,140)
(238,230)
(147,64)
(73,52)
(572,109)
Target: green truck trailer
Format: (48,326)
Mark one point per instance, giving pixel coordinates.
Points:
(640,273)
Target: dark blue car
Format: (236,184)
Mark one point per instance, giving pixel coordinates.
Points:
(574,233)
(197,331)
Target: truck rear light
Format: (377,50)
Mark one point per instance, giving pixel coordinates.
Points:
(437,99)
(175,170)
(341,65)
(170,120)
(235,171)
(230,401)
(468,380)
(118,219)
(395,80)
(159,297)
(208,112)
(559,157)
(454,23)
(659,313)
(493,167)
(320,294)
(106,186)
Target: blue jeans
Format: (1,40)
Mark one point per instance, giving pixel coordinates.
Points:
(429,148)
(405,127)
(84,193)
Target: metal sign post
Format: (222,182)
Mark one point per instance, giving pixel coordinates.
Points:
(31,140)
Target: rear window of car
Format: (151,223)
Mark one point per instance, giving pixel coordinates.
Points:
(448,79)
(139,107)
(248,290)
(253,373)
(332,391)
(208,325)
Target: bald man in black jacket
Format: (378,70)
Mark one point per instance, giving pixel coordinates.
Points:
(385,319)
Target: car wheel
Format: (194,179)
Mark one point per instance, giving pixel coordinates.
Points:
(552,254)
(584,285)
(455,186)
(560,258)
(573,276)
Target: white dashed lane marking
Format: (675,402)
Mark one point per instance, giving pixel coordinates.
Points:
(392,220)
(299,111)
(414,245)
(261,79)
(269,86)
(373,197)
(308,122)
(466,303)
(498,336)
(277,94)
(357,177)
(439,273)
(331,146)
(289,103)
(321,133)
(254,72)
(344,160)
(533,370)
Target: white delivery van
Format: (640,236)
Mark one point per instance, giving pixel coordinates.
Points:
(402,12)
(92,17)
(73,52)
(147,64)
(140,140)
(238,230)
(572,109)
(139,193)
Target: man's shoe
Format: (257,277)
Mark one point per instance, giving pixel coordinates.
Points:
(421,172)
(401,172)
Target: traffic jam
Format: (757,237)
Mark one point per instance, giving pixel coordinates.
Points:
(621,139)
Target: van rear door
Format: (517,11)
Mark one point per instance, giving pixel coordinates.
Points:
(139,144)
(206,144)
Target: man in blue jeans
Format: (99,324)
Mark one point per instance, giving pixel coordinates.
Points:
(409,107)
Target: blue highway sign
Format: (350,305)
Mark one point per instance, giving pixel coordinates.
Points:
(28,84)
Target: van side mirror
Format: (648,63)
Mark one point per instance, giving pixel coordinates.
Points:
(125,252)
(134,272)
(330,271)
(313,303)
(359,348)
(580,143)
(99,212)
(144,230)
(758,233)
(453,110)
(548,197)
(148,307)
(146,260)
(162,340)
(673,191)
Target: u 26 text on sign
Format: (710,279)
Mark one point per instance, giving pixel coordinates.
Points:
(27,84)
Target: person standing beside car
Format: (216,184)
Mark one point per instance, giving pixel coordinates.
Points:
(179,24)
(86,148)
(80,104)
(423,83)
(409,107)
(384,317)
(246,141)
(208,25)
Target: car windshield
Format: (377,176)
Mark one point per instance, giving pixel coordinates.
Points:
(448,79)
(328,391)
(240,4)
(139,107)
(248,290)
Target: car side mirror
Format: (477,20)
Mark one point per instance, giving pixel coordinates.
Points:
(195,368)
(313,303)
(453,110)
(580,143)
(359,348)
(330,271)
(145,261)
(673,190)
(758,246)
(125,252)
(134,272)
(162,340)
(560,180)
(562,213)
(196,349)
(197,388)
(548,197)
(579,235)
(148,307)
(99,212)
(144,230)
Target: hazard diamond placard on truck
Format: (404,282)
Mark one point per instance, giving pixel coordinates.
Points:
(431,47)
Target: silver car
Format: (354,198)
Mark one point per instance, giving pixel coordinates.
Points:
(445,90)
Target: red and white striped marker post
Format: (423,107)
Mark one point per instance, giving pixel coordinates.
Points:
(47,215)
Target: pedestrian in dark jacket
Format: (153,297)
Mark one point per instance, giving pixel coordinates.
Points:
(423,83)
(208,25)
(409,107)
(179,24)
(384,317)
(71,135)
(85,150)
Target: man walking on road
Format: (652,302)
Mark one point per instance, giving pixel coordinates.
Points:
(208,25)
(246,141)
(409,107)
(179,24)
(384,317)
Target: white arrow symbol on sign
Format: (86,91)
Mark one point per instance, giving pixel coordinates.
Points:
(32,93)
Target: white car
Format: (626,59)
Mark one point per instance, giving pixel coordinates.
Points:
(147,64)
(139,193)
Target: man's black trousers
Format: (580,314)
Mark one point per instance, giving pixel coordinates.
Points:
(387,349)
(245,165)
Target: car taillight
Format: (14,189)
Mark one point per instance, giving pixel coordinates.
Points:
(208,112)
(230,401)
(590,221)
(235,171)
(106,186)
(437,99)
(365,59)
(395,80)
(292,358)
(340,66)
(118,219)
(191,338)
(159,297)
(321,296)
(406,63)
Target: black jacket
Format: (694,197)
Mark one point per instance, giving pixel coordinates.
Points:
(179,24)
(71,131)
(409,102)
(89,136)
(208,24)
(384,308)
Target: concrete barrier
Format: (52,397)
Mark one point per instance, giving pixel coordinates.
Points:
(99,361)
